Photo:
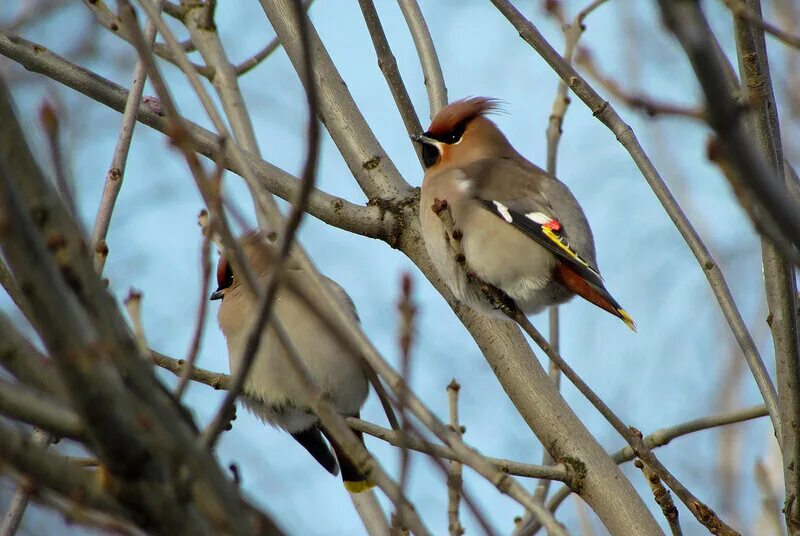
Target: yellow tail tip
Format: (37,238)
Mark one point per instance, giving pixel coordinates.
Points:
(358,487)
(627,319)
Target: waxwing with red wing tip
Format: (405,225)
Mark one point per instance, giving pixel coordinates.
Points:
(521,229)
(272,390)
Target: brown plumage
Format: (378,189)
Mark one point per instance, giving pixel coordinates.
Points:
(522,229)
(460,111)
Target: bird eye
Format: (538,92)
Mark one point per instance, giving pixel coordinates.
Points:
(455,135)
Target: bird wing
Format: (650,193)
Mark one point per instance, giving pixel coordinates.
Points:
(512,191)
(546,231)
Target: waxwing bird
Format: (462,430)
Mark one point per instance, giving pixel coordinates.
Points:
(520,229)
(272,390)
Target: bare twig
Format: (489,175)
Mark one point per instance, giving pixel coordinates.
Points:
(428,59)
(664,436)
(770,503)
(388,66)
(779,273)
(51,123)
(133,303)
(202,311)
(221,381)
(177,130)
(116,172)
(753,18)
(663,498)
(226,85)
(638,101)
(19,502)
(251,62)
(702,513)
(554,131)
(112,22)
(370,221)
(454,480)
(370,165)
(38,409)
(407,311)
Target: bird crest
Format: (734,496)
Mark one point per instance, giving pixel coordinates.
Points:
(460,112)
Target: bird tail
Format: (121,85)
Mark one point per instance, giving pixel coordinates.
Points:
(312,441)
(354,480)
(596,294)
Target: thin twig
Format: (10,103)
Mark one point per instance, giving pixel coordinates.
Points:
(50,121)
(664,436)
(454,479)
(222,381)
(19,502)
(226,85)
(407,311)
(372,221)
(774,213)
(251,62)
(116,172)
(133,303)
(202,310)
(638,101)
(740,10)
(388,66)
(779,272)
(663,498)
(428,59)
(178,132)
(554,131)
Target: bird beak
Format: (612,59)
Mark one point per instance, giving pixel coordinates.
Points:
(421,138)
(217,294)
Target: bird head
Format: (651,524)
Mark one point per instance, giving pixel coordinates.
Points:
(461,134)
(259,252)
(225,279)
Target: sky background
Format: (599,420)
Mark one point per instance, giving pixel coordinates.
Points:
(679,365)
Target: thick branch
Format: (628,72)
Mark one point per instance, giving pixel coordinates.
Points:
(779,274)
(368,162)
(33,408)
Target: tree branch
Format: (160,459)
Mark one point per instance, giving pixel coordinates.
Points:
(779,274)
(368,162)
(370,221)
(428,59)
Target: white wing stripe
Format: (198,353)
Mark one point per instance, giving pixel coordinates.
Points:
(503,210)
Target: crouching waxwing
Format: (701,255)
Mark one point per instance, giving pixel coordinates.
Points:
(272,391)
(522,230)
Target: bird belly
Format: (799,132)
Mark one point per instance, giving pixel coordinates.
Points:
(274,382)
(513,263)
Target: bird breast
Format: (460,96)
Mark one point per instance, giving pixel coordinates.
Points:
(272,379)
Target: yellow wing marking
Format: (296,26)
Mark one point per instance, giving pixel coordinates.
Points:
(568,250)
